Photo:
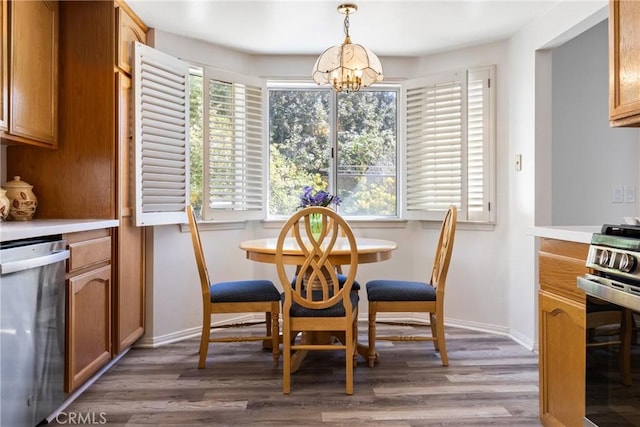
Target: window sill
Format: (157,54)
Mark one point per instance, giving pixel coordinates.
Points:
(354,223)
(460,225)
(216,226)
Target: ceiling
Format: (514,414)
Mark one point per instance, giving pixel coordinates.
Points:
(388,28)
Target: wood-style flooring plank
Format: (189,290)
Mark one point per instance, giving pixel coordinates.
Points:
(490,381)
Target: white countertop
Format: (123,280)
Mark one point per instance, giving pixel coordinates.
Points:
(577,233)
(14,230)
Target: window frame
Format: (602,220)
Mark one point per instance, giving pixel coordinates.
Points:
(487,215)
(251,211)
(293,85)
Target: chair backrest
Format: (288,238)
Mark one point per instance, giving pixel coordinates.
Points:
(316,284)
(199,252)
(443,251)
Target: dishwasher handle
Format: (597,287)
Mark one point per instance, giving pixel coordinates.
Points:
(26,264)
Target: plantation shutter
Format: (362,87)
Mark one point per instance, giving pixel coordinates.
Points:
(449,145)
(478,147)
(161,134)
(435,114)
(235,172)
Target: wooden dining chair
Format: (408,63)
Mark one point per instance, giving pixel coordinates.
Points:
(315,302)
(242,296)
(410,296)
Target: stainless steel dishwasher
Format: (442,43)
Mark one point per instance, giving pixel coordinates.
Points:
(32,329)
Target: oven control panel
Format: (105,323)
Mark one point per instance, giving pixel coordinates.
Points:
(614,261)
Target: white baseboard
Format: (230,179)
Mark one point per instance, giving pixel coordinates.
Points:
(409,317)
(154,342)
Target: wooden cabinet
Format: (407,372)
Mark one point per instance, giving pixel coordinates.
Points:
(624,63)
(30,87)
(561,316)
(88,305)
(89,175)
(129,298)
(3,65)
(129,29)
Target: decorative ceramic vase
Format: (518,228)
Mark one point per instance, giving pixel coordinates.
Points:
(23,201)
(4,204)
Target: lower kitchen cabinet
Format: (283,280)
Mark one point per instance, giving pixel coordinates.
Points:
(561,315)
(88,305)
(129,298)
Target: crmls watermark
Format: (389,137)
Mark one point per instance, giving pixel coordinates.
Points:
(81,418)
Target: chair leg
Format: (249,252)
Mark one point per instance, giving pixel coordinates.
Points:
(349,341)
(440,343)
(434,332)
(355,338)
(204,337)
(372,335)
(286,355)
(275,332)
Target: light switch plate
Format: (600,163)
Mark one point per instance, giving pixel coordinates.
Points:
(629,193)
(617,193)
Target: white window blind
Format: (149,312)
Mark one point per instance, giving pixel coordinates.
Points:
(161,118)
(449,146)
(234,173)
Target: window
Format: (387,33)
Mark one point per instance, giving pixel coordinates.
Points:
(450,145)
(227,145)
(346,143)
(343,142)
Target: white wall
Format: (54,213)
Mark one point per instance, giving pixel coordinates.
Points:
(529,193)
(588,156)
(492,282)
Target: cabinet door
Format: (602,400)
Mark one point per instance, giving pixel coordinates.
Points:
(624,62)
(3,65)
(562,360)
(128,31)
(129,284)
(88,325)
(33,71)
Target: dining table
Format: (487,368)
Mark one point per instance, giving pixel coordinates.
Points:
(370,250)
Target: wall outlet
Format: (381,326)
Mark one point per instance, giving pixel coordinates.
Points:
(629,193)
(617,194)
(518,162)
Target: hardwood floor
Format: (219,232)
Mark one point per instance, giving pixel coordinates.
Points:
(490,380)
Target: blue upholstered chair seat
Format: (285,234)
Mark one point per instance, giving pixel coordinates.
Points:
(341,279)
(399,290)
(336,310)
(244,291)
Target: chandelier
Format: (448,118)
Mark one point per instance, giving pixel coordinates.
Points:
(348,66)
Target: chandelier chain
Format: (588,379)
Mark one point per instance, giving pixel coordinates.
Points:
(346,24)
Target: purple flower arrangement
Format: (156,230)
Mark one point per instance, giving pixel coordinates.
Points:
(310,197)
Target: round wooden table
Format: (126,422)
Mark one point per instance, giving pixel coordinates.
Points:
(369,250)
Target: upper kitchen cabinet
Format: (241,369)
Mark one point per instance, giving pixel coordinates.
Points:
(77,180)
(3,66)
(130,29)
(624,63)
(30,72)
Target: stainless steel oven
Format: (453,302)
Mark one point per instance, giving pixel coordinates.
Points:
(612,381)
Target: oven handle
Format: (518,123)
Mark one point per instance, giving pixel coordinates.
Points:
(26,264)
(609,290)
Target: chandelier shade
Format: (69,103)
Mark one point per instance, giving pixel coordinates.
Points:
(348,66)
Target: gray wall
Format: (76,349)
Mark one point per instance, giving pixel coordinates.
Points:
(588,157)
